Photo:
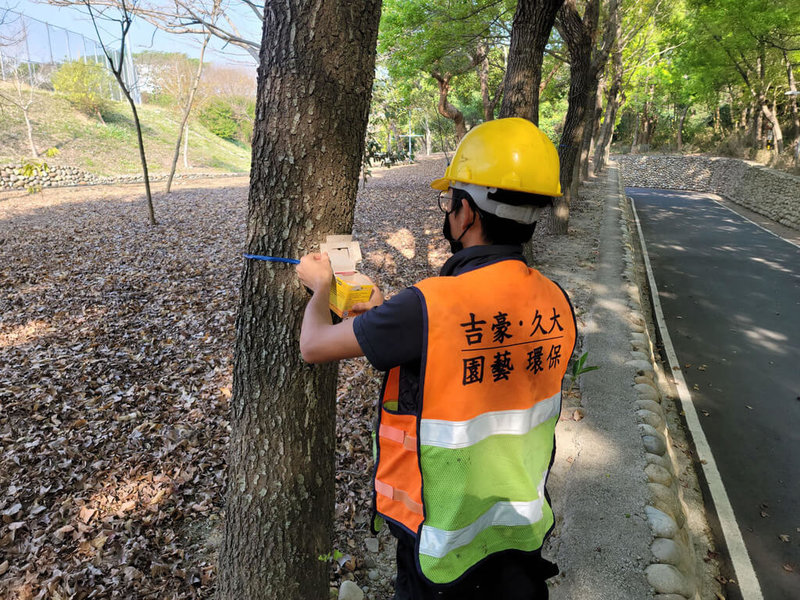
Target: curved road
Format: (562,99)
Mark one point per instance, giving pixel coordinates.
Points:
(730,294)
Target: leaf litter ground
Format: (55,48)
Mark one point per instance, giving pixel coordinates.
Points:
(115,373)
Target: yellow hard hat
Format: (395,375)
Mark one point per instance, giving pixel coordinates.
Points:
(511,154)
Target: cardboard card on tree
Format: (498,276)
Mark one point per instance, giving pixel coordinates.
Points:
(348,287)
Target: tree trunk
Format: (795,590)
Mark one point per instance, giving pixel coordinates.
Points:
(483,77)
(652,122)
(29,129)
(24,106)
(601,149)
(681,119)
(550,76)
(756,116)
(793,97)
(398,141)
(579,41)
(530,33)
(428,137)
(635,135)
(186,146)
(598,114)
(594,110)
(186,110)
(777,132)
(448,110)
(314,84)
(612,104)
(143,159)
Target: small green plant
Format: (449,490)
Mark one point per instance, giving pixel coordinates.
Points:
(33,168)
(335,556)
(579,369)
(52,152)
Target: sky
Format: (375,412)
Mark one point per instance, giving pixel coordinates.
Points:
(143,36)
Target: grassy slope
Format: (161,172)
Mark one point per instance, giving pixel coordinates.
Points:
(112,149)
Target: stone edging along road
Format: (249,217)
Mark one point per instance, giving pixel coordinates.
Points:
(681,542)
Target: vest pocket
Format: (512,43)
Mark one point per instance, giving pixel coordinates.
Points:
(398,481)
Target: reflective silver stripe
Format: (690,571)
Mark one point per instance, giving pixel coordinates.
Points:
(440,542)
(460,434)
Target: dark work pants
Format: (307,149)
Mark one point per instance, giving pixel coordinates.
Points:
(507,576)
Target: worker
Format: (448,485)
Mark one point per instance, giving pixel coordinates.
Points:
(474,362)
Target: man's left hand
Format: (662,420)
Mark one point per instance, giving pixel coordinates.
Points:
(315,271)
(375,299)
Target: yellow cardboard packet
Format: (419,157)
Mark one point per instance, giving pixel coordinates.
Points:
(348,287)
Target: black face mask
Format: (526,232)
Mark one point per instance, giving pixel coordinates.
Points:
(455,244)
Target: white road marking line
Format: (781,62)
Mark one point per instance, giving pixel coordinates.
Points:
(745,574)
(711,196)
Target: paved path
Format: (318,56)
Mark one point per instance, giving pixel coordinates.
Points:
(603,546)
(730,293)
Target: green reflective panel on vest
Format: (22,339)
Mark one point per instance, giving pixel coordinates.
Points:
(459,485)
(495,539)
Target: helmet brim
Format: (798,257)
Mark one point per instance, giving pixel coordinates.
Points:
(442,184)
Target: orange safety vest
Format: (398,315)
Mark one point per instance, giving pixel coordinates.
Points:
(466,474)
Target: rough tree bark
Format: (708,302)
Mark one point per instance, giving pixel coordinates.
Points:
(602,149)
(187,109)
(579,33)
(315,79)
(533,22)
(594,112)
(586,64)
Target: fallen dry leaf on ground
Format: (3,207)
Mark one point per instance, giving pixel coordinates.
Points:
(116,346)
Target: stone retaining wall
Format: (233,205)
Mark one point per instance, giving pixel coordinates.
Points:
(11,177)
(770,193)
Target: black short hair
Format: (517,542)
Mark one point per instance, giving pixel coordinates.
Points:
(503,231)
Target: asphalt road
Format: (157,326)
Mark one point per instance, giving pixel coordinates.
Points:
(730,293)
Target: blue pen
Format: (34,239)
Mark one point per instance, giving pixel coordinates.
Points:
(291,261)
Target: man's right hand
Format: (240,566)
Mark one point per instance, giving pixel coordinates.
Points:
(315,272)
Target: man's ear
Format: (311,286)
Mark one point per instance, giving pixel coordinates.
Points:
(466,210)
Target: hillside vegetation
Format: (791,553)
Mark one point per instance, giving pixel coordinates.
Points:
(110,149)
